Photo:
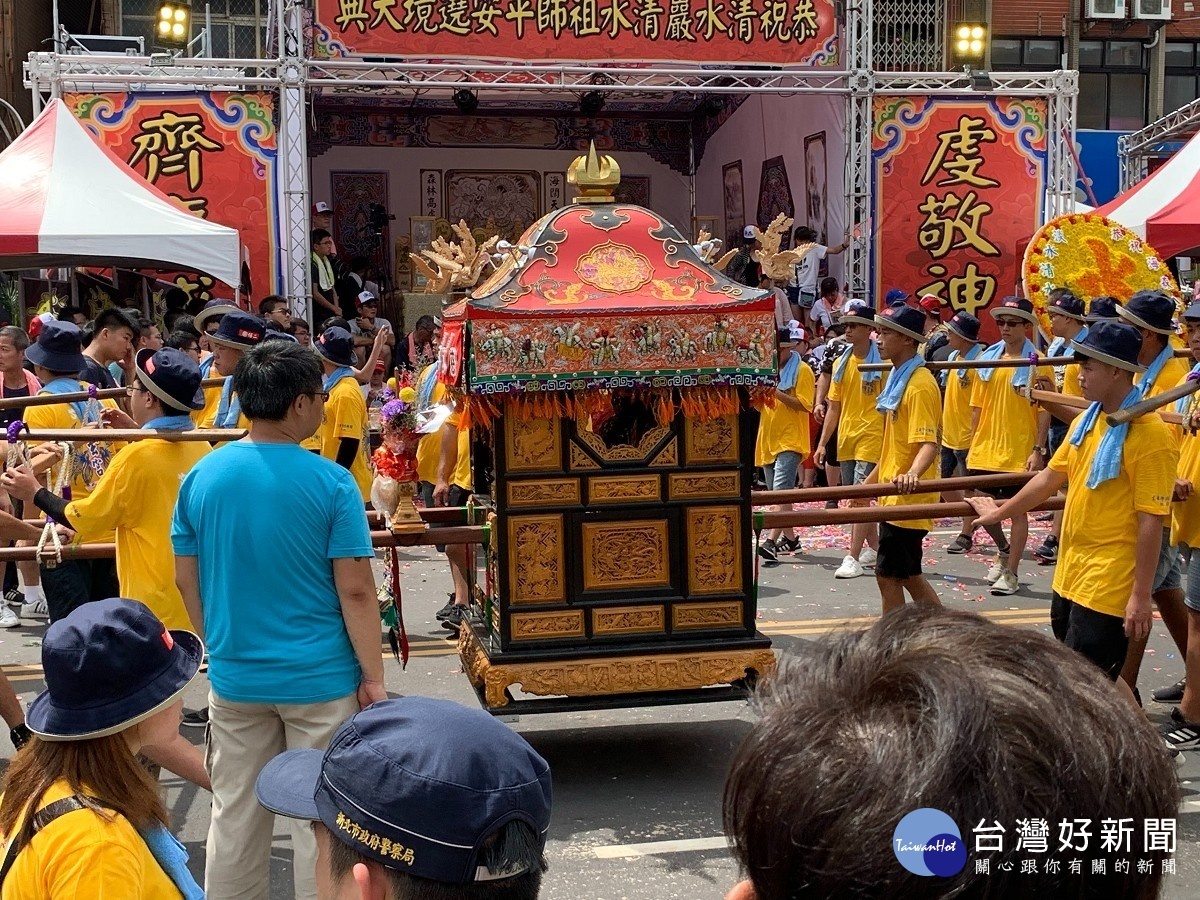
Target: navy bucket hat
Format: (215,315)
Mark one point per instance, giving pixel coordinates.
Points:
(965,326)
(58,347)
(1152,310)
(906,320)
(1112,343)
(108,665)
(172,376)
(337,346)
(417,785)
(239,331)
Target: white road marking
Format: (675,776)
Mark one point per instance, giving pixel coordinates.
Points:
(654,848)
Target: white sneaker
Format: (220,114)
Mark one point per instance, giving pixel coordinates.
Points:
(1006,584)
(35,610)
(8,618)
(850,568)
(867,557)
(995,572)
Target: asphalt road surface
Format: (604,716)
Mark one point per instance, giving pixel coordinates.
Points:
(637,793)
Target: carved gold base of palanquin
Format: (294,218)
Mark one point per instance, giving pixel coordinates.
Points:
(600,676)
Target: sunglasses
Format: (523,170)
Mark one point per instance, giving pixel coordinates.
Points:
(1010,323)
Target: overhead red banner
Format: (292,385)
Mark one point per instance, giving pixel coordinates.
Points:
(213,153)
(749,32)
(958,188)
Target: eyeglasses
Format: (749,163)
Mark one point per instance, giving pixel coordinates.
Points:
(324,395)
(1010,323)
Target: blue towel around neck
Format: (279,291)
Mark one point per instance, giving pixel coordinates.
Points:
(1146,382)
(172,857)
(787,375)
(897,383)
(180,422)
(964,375)
(229,410)
(337,375)
(1182,404)
(425,386)
(71,386)
(1106,463)
(872,357)
(1021,377)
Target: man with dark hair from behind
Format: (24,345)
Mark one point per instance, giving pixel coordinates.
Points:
(419,799)
(945,710)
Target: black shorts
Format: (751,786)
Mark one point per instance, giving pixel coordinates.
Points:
(1097,636)
(831,457)
(458,497)
(900,551)
(998,493)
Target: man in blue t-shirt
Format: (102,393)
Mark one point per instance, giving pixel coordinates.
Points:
(273,557)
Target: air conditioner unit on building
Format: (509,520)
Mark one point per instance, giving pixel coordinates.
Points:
(1104,9)
(1152,9)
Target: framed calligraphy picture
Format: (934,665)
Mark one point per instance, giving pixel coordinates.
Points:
(735,203)
(421,234)
(816,181)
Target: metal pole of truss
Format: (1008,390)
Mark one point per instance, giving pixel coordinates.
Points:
(859,60)
(293,164)
(1060,162)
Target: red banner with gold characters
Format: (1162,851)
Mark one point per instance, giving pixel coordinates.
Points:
(213,153)
(958,191)
(751,32)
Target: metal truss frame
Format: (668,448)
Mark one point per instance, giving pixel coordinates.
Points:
(294,75)
(1135,149)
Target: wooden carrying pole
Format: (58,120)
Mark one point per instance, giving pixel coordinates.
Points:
(855,515)
(1156,404)
(213,435)
(940,365)
(887,489)
(82,396)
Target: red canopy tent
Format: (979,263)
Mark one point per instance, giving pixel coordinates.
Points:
(66,200)
(1164,208)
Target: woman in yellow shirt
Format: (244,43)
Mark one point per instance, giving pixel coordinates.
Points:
(114,676)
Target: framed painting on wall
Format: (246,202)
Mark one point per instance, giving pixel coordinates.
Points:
(775,197)
(815,191)
(634,189)
(503,203)
(735,204)
(404,267)
(420,230)
(354,193)
(711,224)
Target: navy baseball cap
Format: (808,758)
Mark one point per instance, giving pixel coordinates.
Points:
(1113,343)
(239,331)
(965,325)
(172,376)
(58,347)
(337,346)
(895,296)
(108,665)
(416,784)
(905,319)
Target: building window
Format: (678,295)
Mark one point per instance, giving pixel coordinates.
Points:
(1180,85)
(1026,54)
(237,25)
(1113,77)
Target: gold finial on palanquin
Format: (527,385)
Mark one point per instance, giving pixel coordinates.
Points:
(595,177)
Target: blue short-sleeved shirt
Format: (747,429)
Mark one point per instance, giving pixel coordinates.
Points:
(266,522)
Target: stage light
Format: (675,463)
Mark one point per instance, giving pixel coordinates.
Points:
(174,24)
(591,103)
(466,101)
(970,40)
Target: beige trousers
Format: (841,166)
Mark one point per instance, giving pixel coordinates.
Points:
(242,738)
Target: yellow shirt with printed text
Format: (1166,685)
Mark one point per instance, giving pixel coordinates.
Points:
(81,854)
(956,408)
(915,422)
(136,499)
(346,417)
(782,428)
(1097,549)
(1008,422)
(860,425)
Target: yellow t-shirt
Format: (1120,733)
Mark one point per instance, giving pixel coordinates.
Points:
(1099,528)
(204,418)
(860,426)
(346,417)
(429,450)
(782,428)
(1173,372)
(80,854)
(1070,382)
(136,497)
(1185,516)
(1007,431)
(915,422)
(956,408)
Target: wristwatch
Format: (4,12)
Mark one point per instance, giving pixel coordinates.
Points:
(1040,451)
(20,735)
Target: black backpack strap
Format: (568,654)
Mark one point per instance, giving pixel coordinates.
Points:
(41,819)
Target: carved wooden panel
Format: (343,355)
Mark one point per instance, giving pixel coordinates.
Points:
(619,555)
(543,625)
(624,489)
(544,492)
(628,620)
(580,459)
(705,485)
(705,615)
(714,544)
(668,455)
(535,559)
(625,452)
(532,445)
(714,441)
